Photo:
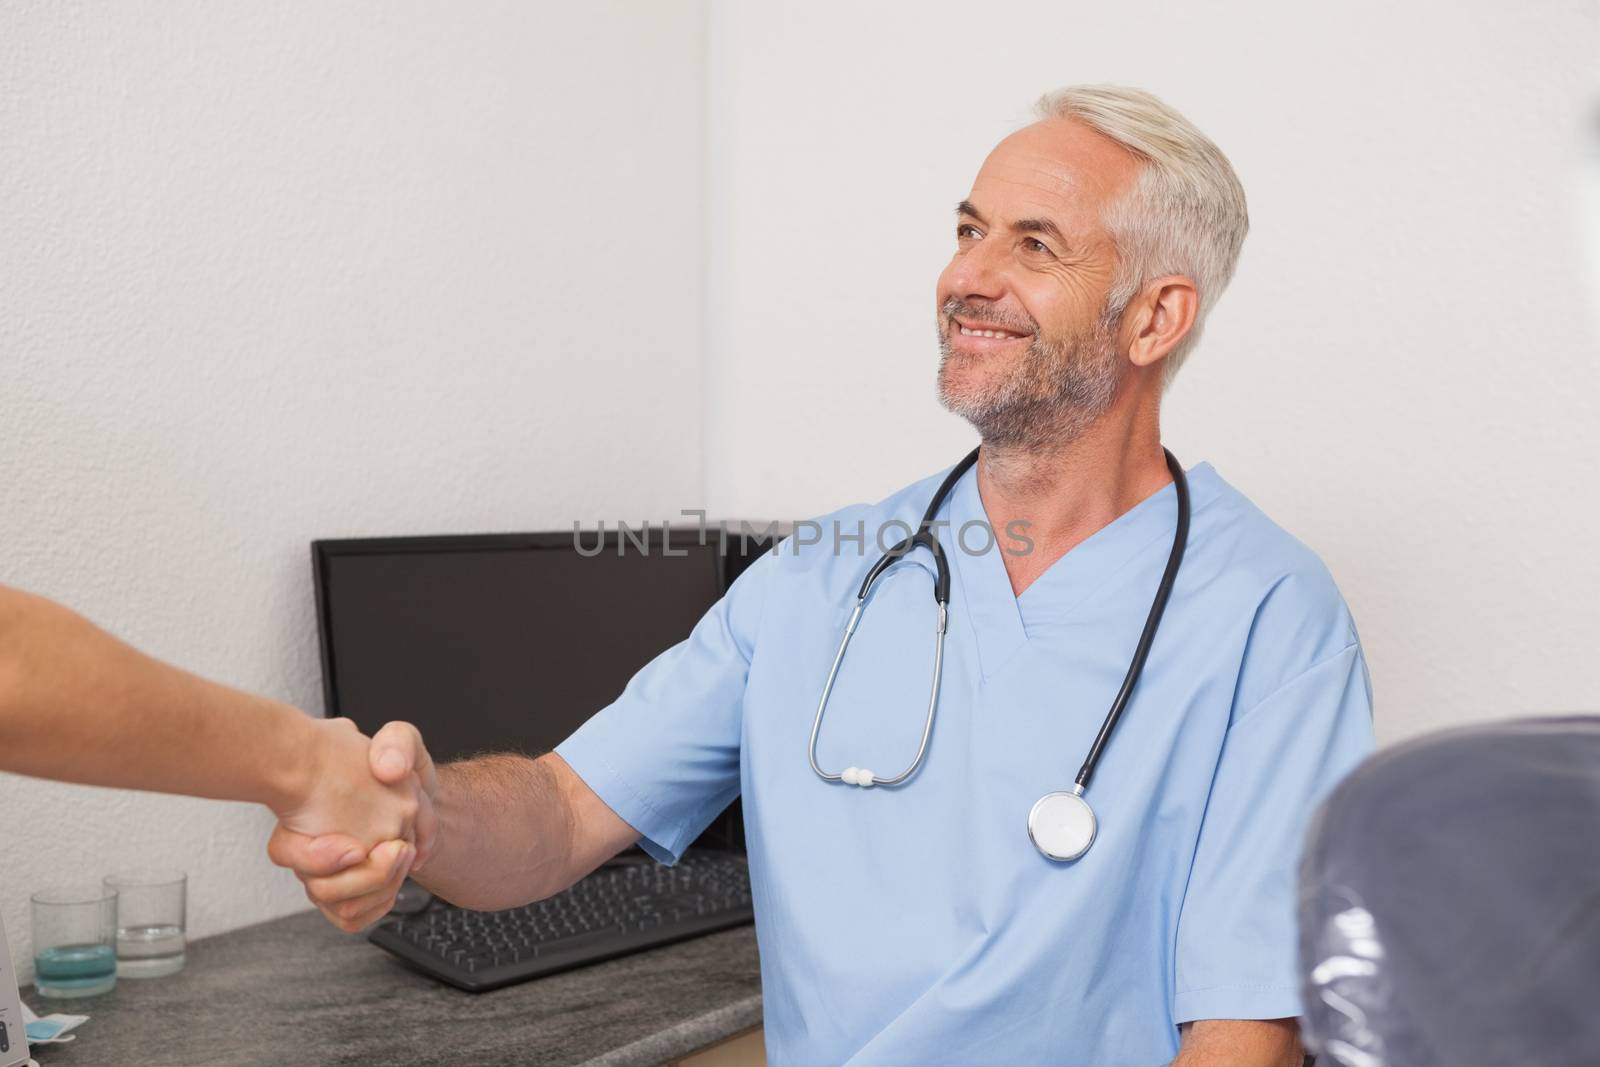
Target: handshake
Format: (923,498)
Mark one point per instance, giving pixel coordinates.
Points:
(357,819)
(355,815)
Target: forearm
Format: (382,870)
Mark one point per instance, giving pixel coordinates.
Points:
(79,705)
(506,833)
(1241,1043)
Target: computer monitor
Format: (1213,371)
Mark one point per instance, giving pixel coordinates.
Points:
(508,642)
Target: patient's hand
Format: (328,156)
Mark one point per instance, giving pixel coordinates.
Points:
(378,794)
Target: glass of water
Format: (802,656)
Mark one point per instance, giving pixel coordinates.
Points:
(150,921)
(73,932)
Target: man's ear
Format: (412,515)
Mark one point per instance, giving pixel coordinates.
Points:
(1165,311)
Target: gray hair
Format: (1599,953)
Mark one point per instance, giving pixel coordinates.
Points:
(1186,212)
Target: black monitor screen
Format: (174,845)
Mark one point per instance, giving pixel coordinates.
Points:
(499,642)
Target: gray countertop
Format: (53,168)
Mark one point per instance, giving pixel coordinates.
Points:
(296,990)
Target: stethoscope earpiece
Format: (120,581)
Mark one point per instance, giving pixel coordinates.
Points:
(1061,825)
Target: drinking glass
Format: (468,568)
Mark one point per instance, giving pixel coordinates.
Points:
(73,933)
(150,921)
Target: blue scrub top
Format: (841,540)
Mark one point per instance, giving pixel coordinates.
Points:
(918,924)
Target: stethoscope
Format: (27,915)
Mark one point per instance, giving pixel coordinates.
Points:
(1061,825)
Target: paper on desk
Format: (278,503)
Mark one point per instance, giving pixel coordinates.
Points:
(52,1029)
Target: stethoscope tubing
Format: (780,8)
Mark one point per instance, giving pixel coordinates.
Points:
(924,537)
(1152,622)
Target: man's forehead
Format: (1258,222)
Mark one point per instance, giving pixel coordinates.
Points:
(1057,167)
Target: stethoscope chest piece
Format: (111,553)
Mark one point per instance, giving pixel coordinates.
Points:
(1062,825)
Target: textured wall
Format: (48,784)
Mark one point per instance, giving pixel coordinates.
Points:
(1403,372)
(270,272)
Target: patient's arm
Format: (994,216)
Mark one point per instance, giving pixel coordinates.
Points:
(79,705)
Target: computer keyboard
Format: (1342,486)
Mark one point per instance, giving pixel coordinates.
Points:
(614,911)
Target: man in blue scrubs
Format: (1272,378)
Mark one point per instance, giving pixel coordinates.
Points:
(918,924)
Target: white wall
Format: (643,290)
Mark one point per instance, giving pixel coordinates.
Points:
(278,271)
(1402,373)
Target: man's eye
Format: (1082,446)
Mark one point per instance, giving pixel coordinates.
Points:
(1033,244)
(966,229)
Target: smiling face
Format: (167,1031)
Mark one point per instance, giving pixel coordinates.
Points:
(1029,356)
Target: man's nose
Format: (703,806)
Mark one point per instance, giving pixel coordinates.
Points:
(979,272)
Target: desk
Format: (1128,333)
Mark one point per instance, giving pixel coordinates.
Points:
(297,991)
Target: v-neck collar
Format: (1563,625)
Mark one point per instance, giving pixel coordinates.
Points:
(1003,622)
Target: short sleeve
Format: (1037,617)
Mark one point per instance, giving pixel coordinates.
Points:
(665,754)
(1237,946)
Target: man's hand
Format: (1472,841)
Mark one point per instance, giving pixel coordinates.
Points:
(329,841)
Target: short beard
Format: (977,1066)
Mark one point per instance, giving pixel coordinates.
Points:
(1052,395)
